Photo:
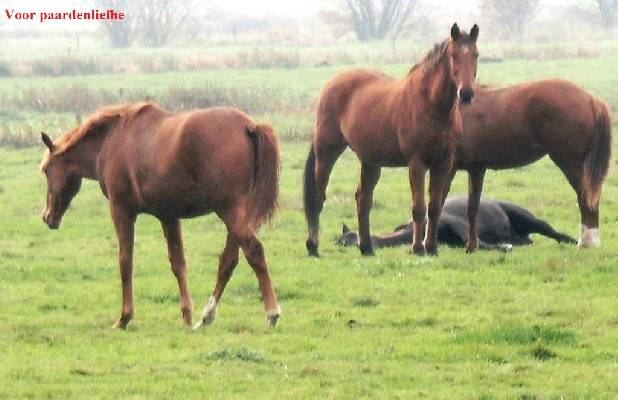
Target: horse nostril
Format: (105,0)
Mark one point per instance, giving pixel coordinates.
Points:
(466,95)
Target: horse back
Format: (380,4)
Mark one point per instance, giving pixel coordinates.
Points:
(185,164)
(517,125)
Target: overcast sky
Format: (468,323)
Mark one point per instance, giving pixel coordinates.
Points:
(254,7)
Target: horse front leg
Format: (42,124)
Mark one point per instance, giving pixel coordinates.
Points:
(475,188)
(439,176)
(124,223)
(416,173)
(370,175)
(173,237)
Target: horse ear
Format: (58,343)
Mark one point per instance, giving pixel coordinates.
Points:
(455,32)
(474,32)
(345,229)
(47,140)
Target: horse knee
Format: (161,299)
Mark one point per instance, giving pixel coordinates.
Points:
(418,213)
(177,263)
(433,213)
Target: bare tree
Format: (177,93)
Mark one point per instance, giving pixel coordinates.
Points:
(120,32)
(608,11)
(508,18)
(374,19)
(161,19)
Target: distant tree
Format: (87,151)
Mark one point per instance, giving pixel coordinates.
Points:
(608,11)
(161,19)
(374,19)
(508,18)
(120,32)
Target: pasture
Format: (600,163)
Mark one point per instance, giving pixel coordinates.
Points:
(539,322)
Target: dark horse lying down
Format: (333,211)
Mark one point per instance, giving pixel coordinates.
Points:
(500,225)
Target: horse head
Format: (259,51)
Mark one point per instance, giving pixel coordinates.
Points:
(63,183)
(463,58)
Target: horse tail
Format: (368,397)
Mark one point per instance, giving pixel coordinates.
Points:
(310,191)
(598,160)
(267,166)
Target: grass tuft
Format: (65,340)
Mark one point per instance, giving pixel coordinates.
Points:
(542,353)
(242,354)
(520,334)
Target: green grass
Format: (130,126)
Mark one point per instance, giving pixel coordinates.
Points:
(539,322)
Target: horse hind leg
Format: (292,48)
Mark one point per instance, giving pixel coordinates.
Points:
(524,223)
(319,165)
(589,229)
(364,199)
(240,234)
(227,263)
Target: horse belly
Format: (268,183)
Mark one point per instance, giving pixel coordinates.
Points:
(516,156)
(486,152)
(383,159)
(177,202)
(378,149)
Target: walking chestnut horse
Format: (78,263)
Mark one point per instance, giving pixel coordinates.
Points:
(149,160)
(412,122)
(515,126)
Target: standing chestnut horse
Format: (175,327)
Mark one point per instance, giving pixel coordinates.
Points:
(412,122)
(148,160)
(515,126)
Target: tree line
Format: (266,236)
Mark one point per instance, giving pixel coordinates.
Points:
(155,22)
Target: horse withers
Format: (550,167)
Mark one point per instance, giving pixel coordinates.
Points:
(517,125)
(173,166)
(411,122)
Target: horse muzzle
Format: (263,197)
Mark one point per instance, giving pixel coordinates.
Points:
(466,95)
(52,223)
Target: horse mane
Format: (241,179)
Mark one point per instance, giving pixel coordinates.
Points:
(99,118)
(432,58)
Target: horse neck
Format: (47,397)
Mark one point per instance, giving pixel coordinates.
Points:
(440,87)
(393,239)
(84,154)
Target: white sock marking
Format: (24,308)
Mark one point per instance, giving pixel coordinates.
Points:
(589,237)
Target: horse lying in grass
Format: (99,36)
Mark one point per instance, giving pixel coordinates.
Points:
(173,166)
(413,122)
(500,225)
(517,125)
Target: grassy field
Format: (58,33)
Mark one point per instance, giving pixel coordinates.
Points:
(539,322)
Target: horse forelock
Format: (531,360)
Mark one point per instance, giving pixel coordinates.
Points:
(102,116)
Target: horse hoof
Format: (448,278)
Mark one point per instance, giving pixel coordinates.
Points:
(312,249)
(186,318)
(273,316)
(123,321)
(470,250)
(367,252)
(120,325)
(205,321)
(418,251)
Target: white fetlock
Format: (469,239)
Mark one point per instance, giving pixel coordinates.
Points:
(589,237)
(209,314)
(272,316)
